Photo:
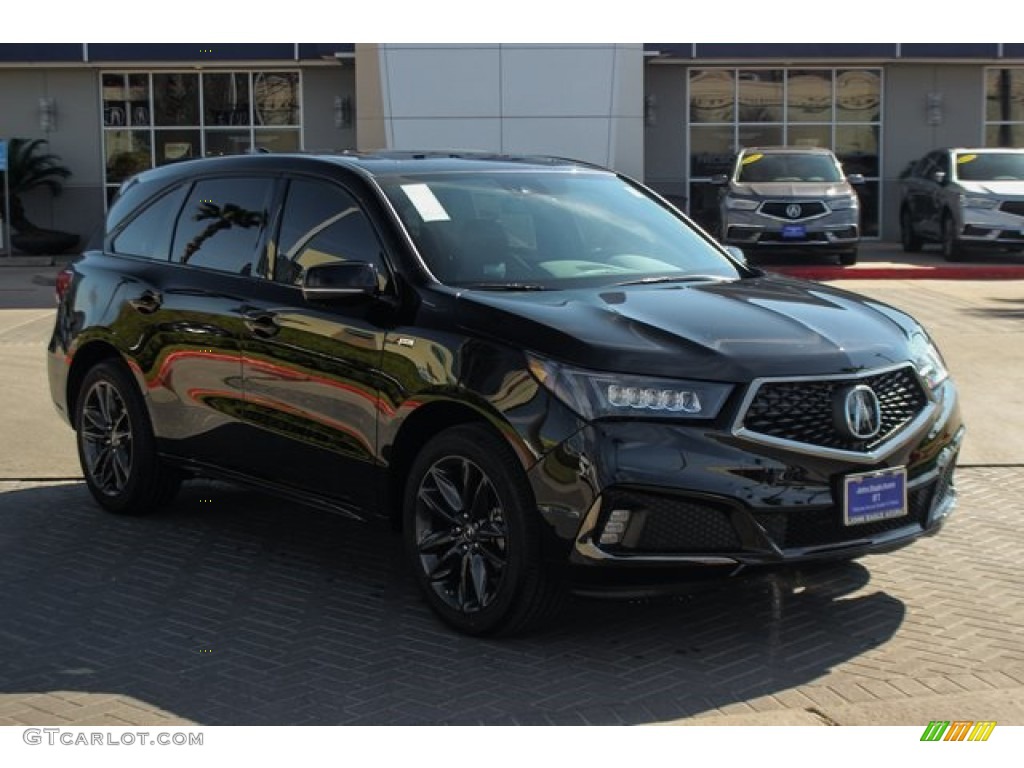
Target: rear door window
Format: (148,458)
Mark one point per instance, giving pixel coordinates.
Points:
(222,223)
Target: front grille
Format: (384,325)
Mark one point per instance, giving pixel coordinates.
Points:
(823,527)
(663,524)
(1016,207)
(780,209)
(802,411)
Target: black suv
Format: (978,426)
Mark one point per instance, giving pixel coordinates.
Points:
(538,369)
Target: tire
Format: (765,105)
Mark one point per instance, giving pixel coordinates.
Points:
(952,250)
(472,535)
(116,446)
(908,238)
(848,259)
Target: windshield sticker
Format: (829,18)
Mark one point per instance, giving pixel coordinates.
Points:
(960,159)
(427,205)
(752,158)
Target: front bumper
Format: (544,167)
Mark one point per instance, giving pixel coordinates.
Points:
(704,499)
(990,227)
(835,231)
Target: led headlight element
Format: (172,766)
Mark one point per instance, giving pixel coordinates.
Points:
(927,360)
(966,201)
(596,394)
(741,204)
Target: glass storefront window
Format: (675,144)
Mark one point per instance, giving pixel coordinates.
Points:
(277,140)
(127,153)
(226,99)
(711,149)
(759,95)
(712,96)
(858,96)
(176,98)
(802,135)
(1004,107)
(730,108)
(155,118)
(276,98)
(809,95)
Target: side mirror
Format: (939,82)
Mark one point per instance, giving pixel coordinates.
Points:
(939,177)
(719,179)
(856,179)
(340,281)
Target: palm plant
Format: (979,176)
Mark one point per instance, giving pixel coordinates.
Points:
(30,167)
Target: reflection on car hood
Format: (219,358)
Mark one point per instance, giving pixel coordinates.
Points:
(995,188)
(724,331)
(776,189)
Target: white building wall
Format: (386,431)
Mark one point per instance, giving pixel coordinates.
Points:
(579,101)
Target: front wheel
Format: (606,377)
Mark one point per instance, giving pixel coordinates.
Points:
(116,446)
(471,535)
(952,250)
(909,239)
(848,259)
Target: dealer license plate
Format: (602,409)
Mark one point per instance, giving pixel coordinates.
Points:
(872,496)
(794,231)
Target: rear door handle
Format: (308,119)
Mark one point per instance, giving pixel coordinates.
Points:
(261,322)
(147,302)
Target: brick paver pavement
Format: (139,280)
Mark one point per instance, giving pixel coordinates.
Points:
(232,609)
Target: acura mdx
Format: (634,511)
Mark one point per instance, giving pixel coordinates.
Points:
(539,370)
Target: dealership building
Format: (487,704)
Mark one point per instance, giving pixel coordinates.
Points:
(671,114)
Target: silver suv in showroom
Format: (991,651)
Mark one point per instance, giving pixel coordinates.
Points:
(963,198)
(790,199)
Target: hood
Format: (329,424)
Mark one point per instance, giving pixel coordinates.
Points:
(798,189)
(993,188)
(731,331)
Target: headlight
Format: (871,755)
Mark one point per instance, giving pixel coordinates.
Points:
(927,360)
(966,201)
(595,395)
(842,203)
(741,204)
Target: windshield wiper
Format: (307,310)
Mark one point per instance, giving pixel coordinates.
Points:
(506,287)
(672,279)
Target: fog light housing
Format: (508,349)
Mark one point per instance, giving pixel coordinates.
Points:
(615,527)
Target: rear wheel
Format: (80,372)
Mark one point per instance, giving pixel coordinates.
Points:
(952,249)
(908,238)
(116,446)
(471,535)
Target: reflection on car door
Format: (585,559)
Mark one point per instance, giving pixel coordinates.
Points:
(312,372)
(203,242)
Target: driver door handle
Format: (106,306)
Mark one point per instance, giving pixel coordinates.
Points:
(147,302)
(261,322)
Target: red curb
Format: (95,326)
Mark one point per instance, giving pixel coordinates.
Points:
(995,272)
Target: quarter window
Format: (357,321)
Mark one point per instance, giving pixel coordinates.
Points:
(149,233)
(322,223)
(221,224)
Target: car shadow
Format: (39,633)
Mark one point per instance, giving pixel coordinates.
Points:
(232,608)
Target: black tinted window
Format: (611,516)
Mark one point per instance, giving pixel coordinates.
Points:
(221,223)
(149,233)
(322,223)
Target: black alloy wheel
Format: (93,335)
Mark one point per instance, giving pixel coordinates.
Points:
(908,238)
(116,447)
(952,249)
(471,535)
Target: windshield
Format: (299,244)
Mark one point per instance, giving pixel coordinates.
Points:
(543,230)
(990,166)
(791,166)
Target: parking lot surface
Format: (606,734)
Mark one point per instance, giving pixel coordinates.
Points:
(232,608)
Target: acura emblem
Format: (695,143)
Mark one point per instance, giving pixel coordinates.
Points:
(857,412)
(793,211)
